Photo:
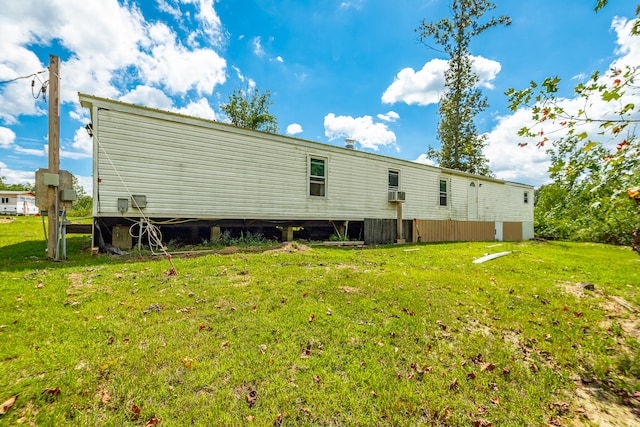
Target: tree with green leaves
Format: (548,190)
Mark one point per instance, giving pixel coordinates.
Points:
(461,145)
(14,187)
(251,111)
(595,162)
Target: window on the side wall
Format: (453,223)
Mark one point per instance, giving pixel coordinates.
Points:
(443,192)
(5,200)
(526,197)
(317,177)
(394,180)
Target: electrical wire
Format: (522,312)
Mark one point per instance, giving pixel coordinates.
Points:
(153,232)
(22,77)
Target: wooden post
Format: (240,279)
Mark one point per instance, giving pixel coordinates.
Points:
(399,233)
(54,151)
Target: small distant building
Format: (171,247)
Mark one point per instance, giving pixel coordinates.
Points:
(18,203)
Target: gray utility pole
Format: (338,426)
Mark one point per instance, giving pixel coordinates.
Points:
(54,153)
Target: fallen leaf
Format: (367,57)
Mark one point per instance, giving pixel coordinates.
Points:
(152,422)
(119,276)
(225,344)
(477,358)
(482,410)
(482,423)
(471,376)
(110,340)
(251,398)
(40,286)
(487,367)
(188,362)
(136,410)
(313,316)
(317,379)
(55,391)
(506,370)
(495,401)
(279,418)
(99,317)
(8,404)
(446,412)
(250,418)
(106,397)
(254,308)
(329,312)
(263,348)
(454,385)
(442,325)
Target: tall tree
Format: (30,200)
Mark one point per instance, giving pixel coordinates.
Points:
(599,171)
(251,111)
(461,146)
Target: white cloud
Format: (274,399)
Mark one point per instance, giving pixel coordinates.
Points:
(148,97)
(257,46)
(279,59)
(391,116)
(423,159)
(425,87)
(199,108)
(511,162)
(82,145)
(86,182)
(367,133)
(106,52)
(16,177)
(7,137)
(294,129)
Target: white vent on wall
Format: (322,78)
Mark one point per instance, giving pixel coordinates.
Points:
(396,196)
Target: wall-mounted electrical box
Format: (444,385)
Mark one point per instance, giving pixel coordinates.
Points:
(68,195)
(123,205)
(51,179)
(121,237)
(138,201)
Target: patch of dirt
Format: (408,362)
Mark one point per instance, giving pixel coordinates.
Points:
(6,220)
(289,247)
(76,283)
(349,289)
(599,405)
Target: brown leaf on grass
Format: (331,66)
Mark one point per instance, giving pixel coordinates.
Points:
(251,398)
(477,358)
(482,423)
(578,314)
(152,422)
(317,379)
(487,367)
(482,410)
(279,418)
(263,348)
(119,276)
(495,401)
(446,413)
(39,285)
(506,370)
(135,409)
(329,312)
(188,362)
(110,340)
(454,384)
(225,344)
(7,404)
(442,325)
(471,376)
(313,316)
(105,397)
(54,391)
(250,418)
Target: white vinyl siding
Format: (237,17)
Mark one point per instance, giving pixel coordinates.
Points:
(194,168)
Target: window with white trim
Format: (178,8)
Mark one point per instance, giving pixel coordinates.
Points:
(394,180)
(444,199)
(317,177)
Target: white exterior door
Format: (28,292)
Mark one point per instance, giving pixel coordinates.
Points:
(472,201)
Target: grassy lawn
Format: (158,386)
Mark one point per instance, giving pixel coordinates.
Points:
(398,335)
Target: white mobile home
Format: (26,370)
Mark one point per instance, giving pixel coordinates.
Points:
(176,168)
(18,203)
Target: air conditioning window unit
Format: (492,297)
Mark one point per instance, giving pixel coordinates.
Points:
(397,196)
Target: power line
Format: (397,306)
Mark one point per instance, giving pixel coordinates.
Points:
(22,77)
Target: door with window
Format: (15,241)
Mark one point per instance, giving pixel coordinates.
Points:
(472,201)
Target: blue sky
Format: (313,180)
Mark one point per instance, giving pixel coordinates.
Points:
(335,69)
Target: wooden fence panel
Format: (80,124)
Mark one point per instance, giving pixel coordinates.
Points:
(384,231)
(512,231)
(450,231)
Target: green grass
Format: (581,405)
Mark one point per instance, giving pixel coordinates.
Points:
(399,335)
